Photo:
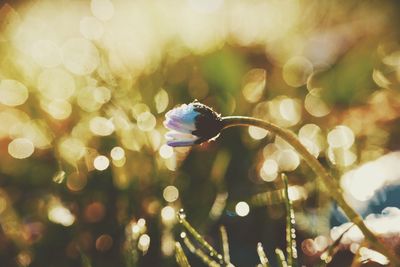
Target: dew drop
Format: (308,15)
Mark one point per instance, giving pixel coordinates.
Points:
(59,177)
(181,215)
(183,235)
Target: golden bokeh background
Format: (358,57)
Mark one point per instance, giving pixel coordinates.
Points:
(86,177)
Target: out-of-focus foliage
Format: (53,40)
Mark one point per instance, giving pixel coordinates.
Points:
(86,178)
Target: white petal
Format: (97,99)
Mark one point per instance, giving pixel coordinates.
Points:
(179,126)
(174,135)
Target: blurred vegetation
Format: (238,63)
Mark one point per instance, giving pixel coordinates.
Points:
(86,178)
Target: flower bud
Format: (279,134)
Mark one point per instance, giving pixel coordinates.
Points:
(191,124)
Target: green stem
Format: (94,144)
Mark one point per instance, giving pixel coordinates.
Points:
(200,253)
(225,245)
(263,257)
(290,231)
(281,258)
(329,182)
(212,252)
(180,256)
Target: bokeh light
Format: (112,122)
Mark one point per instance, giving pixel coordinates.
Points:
(80,56)
(144,243)
(71,149)
(168,214)
(341,137)
(379,173)
(166,151)
(101,126)
(257,133)
(46,53)
(56,84)
(101,163)
(61,215)
(104,243)
(21,148)
(58,109)
(242,209)
(315,105)
(76,181)
(297,70)
(117,153)
(84,89)
(102,9)
(12,93)
(254,84)
(91,28)
(170,193)
(288,160)
(269,170)
(146,121)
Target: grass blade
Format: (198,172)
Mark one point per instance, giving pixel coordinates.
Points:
(290,230)
(210,250)
(199,253)
(261,254)
(180,256)
(281,258)
(225,245)
(333,248)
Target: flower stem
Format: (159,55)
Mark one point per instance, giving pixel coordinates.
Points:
(331,185)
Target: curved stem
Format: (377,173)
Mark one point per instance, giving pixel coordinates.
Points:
(329,182)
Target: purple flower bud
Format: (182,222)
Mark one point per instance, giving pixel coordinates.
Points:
(191,124)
